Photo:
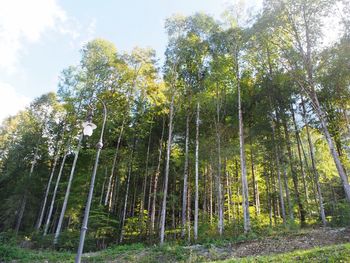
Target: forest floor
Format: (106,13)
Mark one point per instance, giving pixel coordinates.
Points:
(306,245)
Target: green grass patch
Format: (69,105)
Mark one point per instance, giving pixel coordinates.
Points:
(334,253)
(175,252)
(9,253)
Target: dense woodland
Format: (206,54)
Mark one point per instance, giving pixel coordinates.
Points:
(245,126)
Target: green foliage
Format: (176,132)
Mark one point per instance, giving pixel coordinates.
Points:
(172,252)
(10,253)
(341,214)
(283,73)
(335,253)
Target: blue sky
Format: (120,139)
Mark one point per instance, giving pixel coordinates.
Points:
(39,38)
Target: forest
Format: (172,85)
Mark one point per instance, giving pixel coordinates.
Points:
(243,127)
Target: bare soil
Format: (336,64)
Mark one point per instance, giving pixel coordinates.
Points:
(274,245)
(303,239)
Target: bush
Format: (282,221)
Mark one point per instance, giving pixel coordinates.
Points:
(341,215)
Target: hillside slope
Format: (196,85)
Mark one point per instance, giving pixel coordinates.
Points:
(321,245)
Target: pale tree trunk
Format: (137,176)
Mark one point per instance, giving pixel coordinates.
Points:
(166,176)
(236,182)
(294,174)
(228,192)
(156,177)
(189,214)
(269,205)
(133,203)
(144,185)
(300,161)
(204,193)
(284,164)
(108,197)
(286,187)
(173,217)
(150,195)
(274,196)
(257,197)
(25,196)
(245,194)
(184,192)
(48,219)
(127,191)
(42,210)
(115,195)
(313,164)
(278,168)
(65,201)
(211,194)
(255,183)
(219,185)
(308,66)
(232,200)
(21,213)
(343,176)
(197,175)
(103,186)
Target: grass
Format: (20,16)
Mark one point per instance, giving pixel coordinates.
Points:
(168,253)
(334,253)
(9,253)
(210,249)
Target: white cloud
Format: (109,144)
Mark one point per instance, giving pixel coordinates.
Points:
(10,101)
(23,21)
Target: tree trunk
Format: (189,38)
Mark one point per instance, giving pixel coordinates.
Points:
(274,196)
(188,223)
(269,205)
(42,210)
(284,164)
(255,183)
(294,174)
(103,186)
(65,202)
(197,175)
(278,168)
(334,153)
(313,164)
(48,219)
(127,191)
(108,194)
(144,185)
(156,177)
(116,187)
(300,160)
(184,192)
(245,194)
(211,194)
(25,196)
(133,200)
(308,66)
(166,176)
(286,187)
(219,184)
(204,191)
(228,192)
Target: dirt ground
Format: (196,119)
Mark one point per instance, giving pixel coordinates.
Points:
(305,239)
(280,244)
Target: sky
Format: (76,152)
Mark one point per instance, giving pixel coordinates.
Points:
(39,38)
